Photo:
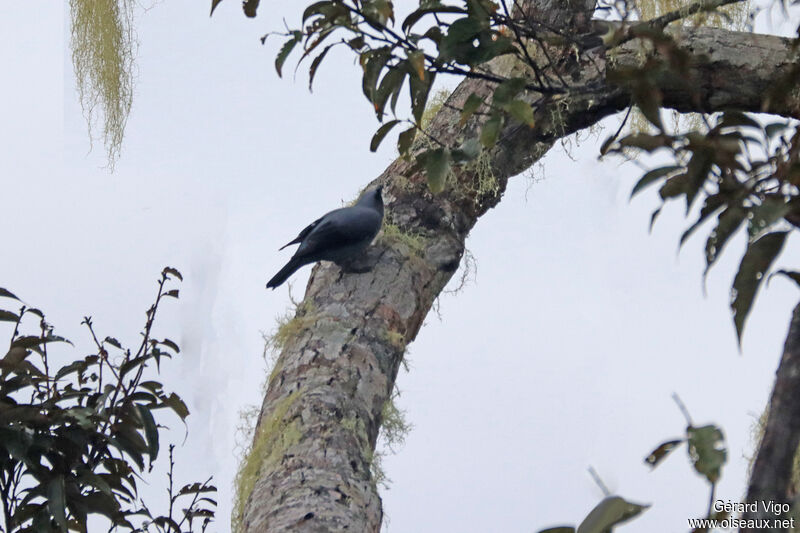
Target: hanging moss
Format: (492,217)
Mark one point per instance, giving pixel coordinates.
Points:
(103,43)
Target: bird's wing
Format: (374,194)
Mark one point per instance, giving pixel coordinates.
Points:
(339,229)
(303,233)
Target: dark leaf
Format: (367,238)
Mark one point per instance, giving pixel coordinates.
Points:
(609,512)
(652,176)
(8,316)
(214,4)
(381,133)
(56,502)
(173,293)
(674,186)
(661,452)
(174,402)
(791,274)
(390,85)
(775,128)
(712,204)
(756,261)
(696,173)
(559,529)
(113,342)
(737,119)
(312,71)
(707,451)
(772,209)
(645,141)
(250,7)
(419,90)
(728,222)
(150,431)
(373,62)
(284,52)
(170,270)
(416,60)
(7,294)
(415,16)
(171,345)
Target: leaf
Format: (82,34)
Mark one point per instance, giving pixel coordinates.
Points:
(171,345)
(651,177)
(284,52)
(8,316)
(381,133)
(645,141)
(415,16)
(390,85)
(707,451)
(712,205)
(56,503)
(648,100)
(8,294)
(419,90)
(772,209)
(406,139)
(373,62)
(756,261)
(559,529)
(150,431)
(731,119)
(674,186)
(437,165)
(250,7)
(113,342)
(417,61)
(471,105)
(522,112)
(491,130)
(696,173)
(173,272)
(771,130)
(175,403)
(458,43)
(172,293)
(664,449)
(507,90)
(609,512)
(214,4)
(312,71)
(728,223)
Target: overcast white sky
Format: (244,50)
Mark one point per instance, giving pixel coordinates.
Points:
(563,352)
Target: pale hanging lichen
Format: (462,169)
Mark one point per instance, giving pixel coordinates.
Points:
(103,42)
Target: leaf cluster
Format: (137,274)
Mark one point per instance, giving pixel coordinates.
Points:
(75,438)
(736,171)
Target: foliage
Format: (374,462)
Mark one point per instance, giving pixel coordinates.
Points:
(75,437)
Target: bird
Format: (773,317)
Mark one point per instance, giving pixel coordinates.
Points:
(336,236)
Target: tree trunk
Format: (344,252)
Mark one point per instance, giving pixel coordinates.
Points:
(771,480)
(309,468)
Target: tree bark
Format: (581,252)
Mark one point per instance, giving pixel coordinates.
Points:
(321,414)
(771,480)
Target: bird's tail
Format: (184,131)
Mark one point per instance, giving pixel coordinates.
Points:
(284,273)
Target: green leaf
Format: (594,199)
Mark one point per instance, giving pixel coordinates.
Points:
(521,111)
(651,177)
(390,85)
(728,223)
(285,50)
(610,512)
(150,431)
(507,90)
(437,165)
(772,209)
(7,294)
(250,7)
(757,259)
(373,62)
(416,60)
(491,130)
(430,8)
(733,119)
(458,43)
(664,449)
(406,139)
(56,502)
(377,12)
(674,186)
(696,173)
(381,133)
(419,90)
(645,141)
(312,71)
(174,402)
(8,316)
(214,4)
(471,105)
(707,451)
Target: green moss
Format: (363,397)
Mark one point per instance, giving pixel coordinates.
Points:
(289,325)
(103,43)
(392,234)
(435,104)
(273,438)
(395,338)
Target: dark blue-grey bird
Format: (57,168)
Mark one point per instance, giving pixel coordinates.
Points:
(337,236)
